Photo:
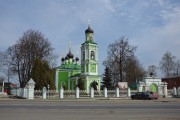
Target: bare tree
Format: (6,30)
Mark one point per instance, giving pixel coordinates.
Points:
(134,70)
(177,68)
(152,70)
(167,64)
(21,56)
(118,53)
(1,59)
(5,66)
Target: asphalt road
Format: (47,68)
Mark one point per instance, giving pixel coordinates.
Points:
(89,110)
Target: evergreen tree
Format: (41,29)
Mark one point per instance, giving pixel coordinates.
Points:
(41,74)
(80,84)
(94,85)
(107,80)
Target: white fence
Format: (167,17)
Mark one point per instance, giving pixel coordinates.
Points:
(53,94)
(20,92)
(27,92)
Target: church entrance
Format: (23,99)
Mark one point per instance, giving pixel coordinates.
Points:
(153,88)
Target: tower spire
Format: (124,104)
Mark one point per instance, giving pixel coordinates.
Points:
(89,21)
(89,30)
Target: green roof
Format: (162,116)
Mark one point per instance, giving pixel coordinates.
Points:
(89,41)
(70,66)
(76,75)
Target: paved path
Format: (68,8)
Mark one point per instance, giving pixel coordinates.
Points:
(91,109)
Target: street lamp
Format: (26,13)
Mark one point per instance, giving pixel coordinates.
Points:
(48,90)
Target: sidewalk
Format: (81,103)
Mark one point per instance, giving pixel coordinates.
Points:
(123,99)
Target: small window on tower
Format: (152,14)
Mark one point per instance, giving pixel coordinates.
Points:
(90,38)
(92,55)
(83,55)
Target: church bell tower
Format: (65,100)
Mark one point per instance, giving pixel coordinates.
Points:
(89,59)
(89,53)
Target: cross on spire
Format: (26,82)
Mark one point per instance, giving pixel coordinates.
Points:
(89,21)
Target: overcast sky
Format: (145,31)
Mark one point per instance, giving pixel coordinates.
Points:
(151,25)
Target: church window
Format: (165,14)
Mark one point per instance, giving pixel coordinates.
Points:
(83,55)
(92,55)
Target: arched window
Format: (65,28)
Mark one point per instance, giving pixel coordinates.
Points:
(83,55)
(92,55)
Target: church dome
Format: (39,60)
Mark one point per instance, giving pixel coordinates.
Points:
(70,55)
(62,59)
(89,30)
(77,59)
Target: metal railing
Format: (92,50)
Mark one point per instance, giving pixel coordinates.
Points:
(38,93)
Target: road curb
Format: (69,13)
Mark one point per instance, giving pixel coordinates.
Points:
(89,99)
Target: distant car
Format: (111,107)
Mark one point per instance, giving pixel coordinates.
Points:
(142,96)
(154,95)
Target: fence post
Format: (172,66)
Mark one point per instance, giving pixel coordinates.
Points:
(44,92)
(178,91)
(117,92)
(129,92)
(77,92)
(160,90)
(105,92)
(92,92)
(30,86)
(174,91)
(61,93)
(165,89)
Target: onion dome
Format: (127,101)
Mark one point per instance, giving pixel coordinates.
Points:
(151,74)
(89,30)
(70,55)
(66,57)
(62,59)
(77,59)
